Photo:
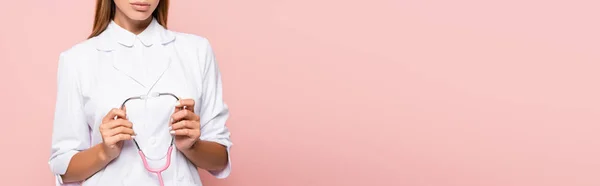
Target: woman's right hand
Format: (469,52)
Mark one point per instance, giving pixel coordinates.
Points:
(115,129)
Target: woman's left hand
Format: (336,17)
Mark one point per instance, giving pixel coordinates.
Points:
(185,125)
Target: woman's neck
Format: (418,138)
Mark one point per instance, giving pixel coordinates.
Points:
(134,26)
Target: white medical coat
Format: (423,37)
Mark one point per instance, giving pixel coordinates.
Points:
(98,74)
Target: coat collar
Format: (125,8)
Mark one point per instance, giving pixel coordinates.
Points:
(115,35)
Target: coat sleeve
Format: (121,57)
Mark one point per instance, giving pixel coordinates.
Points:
(213,110)
(70,133)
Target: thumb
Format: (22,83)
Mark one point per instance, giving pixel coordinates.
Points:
(124,108)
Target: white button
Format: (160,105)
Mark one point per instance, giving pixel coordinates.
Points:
(152,141)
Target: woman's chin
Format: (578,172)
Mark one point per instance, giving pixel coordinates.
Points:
(139,16)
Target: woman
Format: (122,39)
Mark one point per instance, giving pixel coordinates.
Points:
(136,98)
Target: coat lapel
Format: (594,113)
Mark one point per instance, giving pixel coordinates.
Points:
(146,70)
(157,62)
(129,66)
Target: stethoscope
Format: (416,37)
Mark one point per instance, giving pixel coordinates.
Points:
(157,171)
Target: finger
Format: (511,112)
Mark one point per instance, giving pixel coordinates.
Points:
(114,113)
(117,138)
(119,123)
(183,132)
(121,137)
(185,104)
(185,124)
(121,130)
(184,115)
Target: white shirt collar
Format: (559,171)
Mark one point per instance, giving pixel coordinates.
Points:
(115,34)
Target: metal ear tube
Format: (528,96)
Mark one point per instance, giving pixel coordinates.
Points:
(157,171)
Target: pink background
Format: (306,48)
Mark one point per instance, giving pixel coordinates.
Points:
(338,92)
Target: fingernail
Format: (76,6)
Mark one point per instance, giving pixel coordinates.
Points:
(172,132)
(170,128)
(177,103)
(133,137)
(171,120)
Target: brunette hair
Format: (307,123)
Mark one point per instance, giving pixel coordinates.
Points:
(105,12)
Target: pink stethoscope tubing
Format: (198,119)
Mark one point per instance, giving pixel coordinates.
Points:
(157,171)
